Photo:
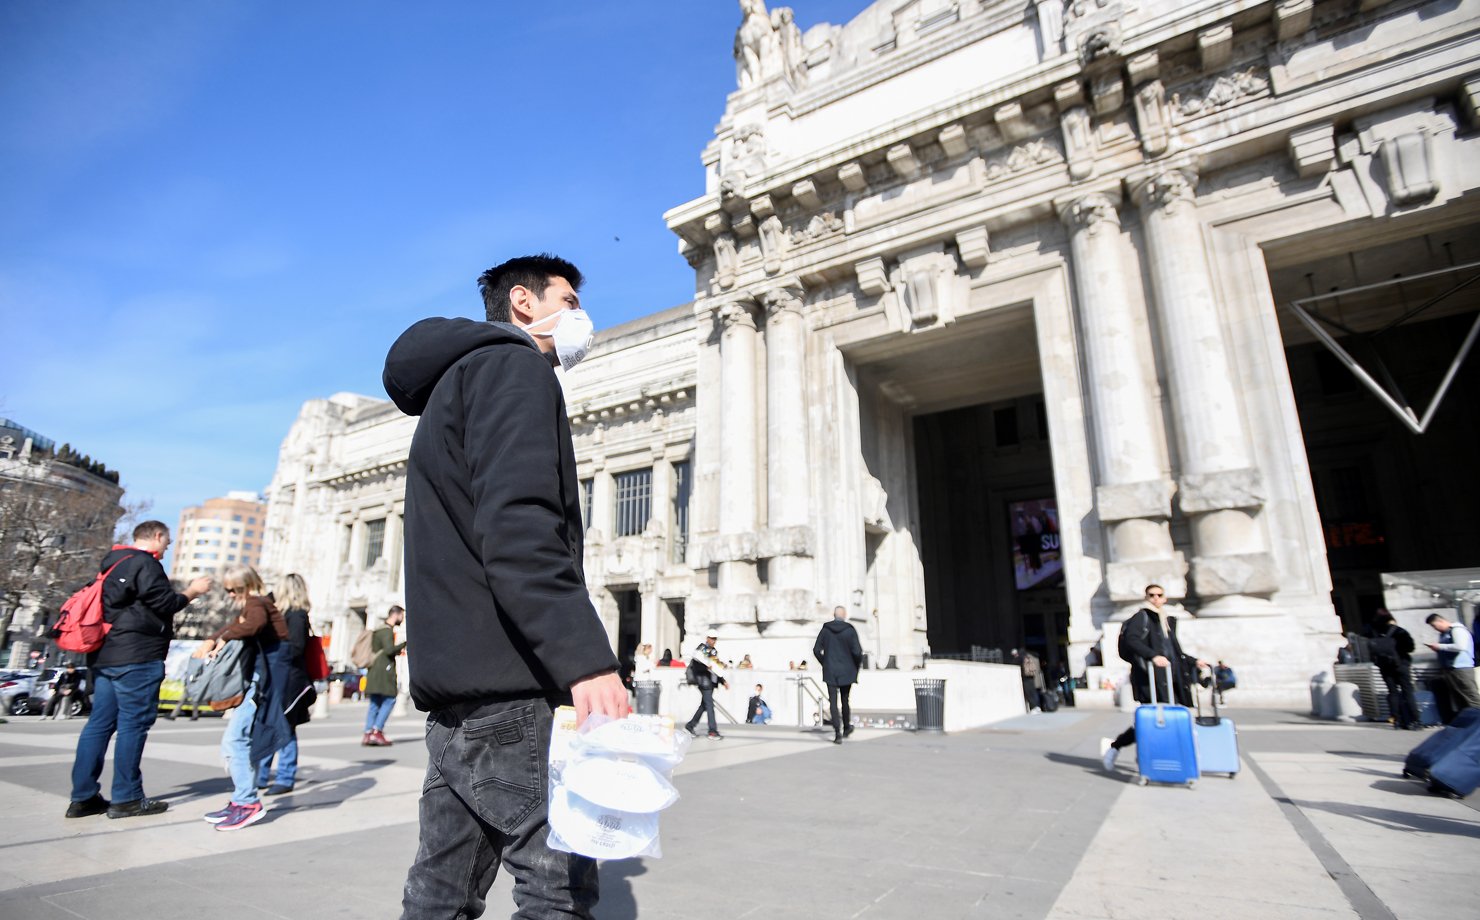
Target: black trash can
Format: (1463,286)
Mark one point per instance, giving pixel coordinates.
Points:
(930,704)
(648,692)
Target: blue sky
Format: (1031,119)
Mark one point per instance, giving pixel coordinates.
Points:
(211,212)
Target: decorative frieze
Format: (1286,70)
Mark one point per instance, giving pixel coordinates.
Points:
(1214,94)
(773,244)
(1037,152)
(1151,104)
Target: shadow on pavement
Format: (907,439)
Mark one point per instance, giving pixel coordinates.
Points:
(326,789)
(1090,765)
(617,899)
(1398,820)
(1370,755)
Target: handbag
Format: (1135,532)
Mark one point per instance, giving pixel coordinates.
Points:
(315,662)
(224,680)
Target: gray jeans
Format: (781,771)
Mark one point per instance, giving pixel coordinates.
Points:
(483,803)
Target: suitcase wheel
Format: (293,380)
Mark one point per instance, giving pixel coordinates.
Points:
(1143,781)
(1191,783)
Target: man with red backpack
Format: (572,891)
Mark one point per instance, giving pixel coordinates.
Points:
(139,606)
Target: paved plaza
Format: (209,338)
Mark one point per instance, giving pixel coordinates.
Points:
(1013,822)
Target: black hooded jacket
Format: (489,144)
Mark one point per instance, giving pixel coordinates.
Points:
(140,603)
(840,652)
(496,599)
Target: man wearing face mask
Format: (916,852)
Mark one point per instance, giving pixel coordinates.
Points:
(504,630)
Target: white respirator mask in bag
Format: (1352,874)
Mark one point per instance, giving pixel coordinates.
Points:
(572,335)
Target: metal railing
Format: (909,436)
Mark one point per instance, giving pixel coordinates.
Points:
(808,688)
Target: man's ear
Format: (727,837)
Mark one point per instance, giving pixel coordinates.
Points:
(521,299)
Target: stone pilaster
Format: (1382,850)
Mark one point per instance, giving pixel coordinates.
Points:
(788,499)
(1218,488)
(1133,496)
(738,441)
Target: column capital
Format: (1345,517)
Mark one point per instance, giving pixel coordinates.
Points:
(737,312)
(1168,190)
(1087,212)
(786,297)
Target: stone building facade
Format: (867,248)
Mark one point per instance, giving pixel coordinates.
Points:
(956,257)
(1004,310)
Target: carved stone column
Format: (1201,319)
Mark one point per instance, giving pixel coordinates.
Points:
(788,500)
(1132,495)
(738,441)
(1218,487)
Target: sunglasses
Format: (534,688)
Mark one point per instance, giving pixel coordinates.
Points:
(236,590)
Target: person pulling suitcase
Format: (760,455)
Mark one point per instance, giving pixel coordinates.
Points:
(1150,635)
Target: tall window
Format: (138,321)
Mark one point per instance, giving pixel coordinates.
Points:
(374,540)
(586,492)
(682,488)
(634,501)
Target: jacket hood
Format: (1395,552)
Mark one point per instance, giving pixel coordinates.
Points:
(837,626)
(423,353)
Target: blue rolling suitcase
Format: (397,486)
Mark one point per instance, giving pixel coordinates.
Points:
(1165,749)
(1217,741)
(1433,748)
(1457,772)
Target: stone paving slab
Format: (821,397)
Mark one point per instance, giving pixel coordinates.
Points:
(1019,821)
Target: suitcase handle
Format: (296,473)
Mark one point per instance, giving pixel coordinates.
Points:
(1161,719)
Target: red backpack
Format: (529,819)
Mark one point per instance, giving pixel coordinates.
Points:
(81,627)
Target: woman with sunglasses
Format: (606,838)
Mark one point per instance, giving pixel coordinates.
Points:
(258,728)
(1151,635)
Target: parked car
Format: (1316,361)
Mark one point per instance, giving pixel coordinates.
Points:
(15,691)
(45,685)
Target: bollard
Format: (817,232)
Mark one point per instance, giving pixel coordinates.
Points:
(648,694)
(1346,702)
(930,704)
(1320,695)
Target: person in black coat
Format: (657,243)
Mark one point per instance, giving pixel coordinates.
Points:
(1392,651)
(840,652)
(1151,636)
(298,690)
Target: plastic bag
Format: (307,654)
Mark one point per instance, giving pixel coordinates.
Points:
(609,780)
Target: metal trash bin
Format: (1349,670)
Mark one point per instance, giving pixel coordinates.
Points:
(930,704)
(648,692)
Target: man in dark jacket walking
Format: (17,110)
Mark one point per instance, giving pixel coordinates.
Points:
(505,630)
(840,652)
(1150,637)
(126,673)
(1392,651)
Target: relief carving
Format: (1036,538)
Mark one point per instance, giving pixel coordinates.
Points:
(1090,214)
(773,244)
(1219,93)
(1036,152)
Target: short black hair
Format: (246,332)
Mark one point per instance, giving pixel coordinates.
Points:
(532,272)
(1435,616)
(1382,616)
(149,530)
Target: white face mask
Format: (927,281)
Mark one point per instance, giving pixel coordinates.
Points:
(572,335)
